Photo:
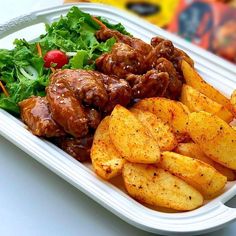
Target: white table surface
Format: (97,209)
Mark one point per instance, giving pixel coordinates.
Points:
(34,201)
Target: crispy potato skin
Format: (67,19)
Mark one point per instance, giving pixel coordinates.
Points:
(206,179)
(157,187)
(159,130)
(106,160)
(197,101)
(172,112)
(193,79)
(214,136)
(193,150)
(131,138)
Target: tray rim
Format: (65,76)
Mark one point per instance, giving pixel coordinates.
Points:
(10,122)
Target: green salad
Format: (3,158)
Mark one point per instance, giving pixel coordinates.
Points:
(23,70)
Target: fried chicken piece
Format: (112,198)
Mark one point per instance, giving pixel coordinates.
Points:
(121,61)
(105,33)
(177,58)
(156,40)
(77,148)
(124,61)
(66,109)
(118,90)
(170,52)
(95,89)
(151,84)
(175,83)
(87,86)
(164,48)
(36,114)
(94,117)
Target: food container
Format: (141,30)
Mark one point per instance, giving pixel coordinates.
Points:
(213,215)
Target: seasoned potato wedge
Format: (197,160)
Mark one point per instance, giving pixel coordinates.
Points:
(214,136)
(172,112)
(157,187)
(206,179)
(193,79)
(131,138)
(233,102)
(193,150)
(197,101)
(106,160)
(160,131)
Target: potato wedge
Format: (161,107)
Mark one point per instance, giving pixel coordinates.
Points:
(131,138)
(206,179)
(159,130)
(157,187)
(214,136)
(197,101)
(172,112)
(193,79)
(193,150)
(106,160)
(233,102)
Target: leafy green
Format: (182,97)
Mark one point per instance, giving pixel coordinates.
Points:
(76,33)
(73,33)
(20,91)
(79,60)
(18,86)
(119,27)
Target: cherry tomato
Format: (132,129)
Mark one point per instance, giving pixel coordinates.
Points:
(55,57)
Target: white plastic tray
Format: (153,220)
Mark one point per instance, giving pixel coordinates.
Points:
(218,72)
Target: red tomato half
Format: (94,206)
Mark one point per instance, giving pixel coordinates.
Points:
(55,57)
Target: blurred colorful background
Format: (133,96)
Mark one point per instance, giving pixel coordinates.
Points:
(211,24)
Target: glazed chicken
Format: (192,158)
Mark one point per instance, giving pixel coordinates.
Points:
(125,62)
(121,61)
(175,79)
(93,88)
(86,86)
(36,114)
(105,33)
(77,148)
(135,60)
(66,109)
(150,84)
(118,91)
(165,48)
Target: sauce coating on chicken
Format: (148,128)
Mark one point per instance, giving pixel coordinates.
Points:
(66,109)
(77,148)
(36,114)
